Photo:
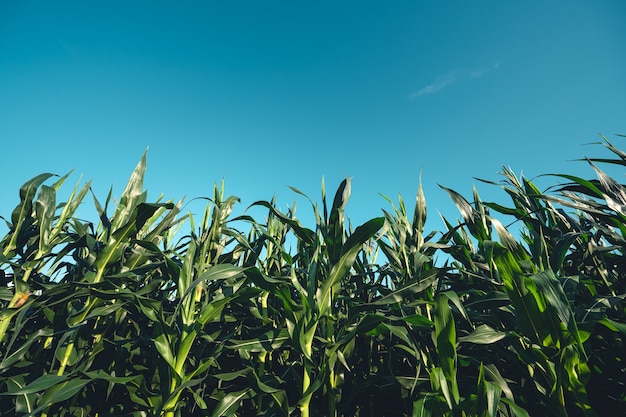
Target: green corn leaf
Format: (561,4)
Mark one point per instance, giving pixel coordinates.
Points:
(212,310)
(231,402)
(199,401)
(163,345)
(528,311)
(487,396)
(9,359)
(493,395)
(62,391)
(401,332)
(445,336)
(491,299)
(69,208)
(428,405)
(39,385)
(475,221)
(261,386)
(454,298)
(102,375)
(306,333)
(613,325)
(306,235)
(221,272)
(515,408)
(419,215)
(483,335)
(584,186)
(351,249)
(368,322)
(44,211)
(24,403)
(492,374)
(7,314)
(418,320)
(171,402)
(576,372)
(231,376)
(27,193)
(122,236)
(205,364)
(439,384)
(550,288)
(334,238)
(23,211)
(268,341)
(185,277)
(414,287)
(131,197)
(506,238)
(65,353)
(560,249)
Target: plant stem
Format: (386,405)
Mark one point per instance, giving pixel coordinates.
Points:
(306,383)
(332,398)
(4,323)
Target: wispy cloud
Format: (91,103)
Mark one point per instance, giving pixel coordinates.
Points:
(453,77)
(71,51)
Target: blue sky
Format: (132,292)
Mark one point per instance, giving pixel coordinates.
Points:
(273,94)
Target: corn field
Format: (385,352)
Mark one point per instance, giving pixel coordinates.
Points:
(148,311)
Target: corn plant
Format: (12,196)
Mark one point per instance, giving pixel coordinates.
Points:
(151,312)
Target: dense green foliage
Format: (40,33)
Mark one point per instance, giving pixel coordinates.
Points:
(136,315)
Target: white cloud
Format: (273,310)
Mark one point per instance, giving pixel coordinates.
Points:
(451,78)
(439,84)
